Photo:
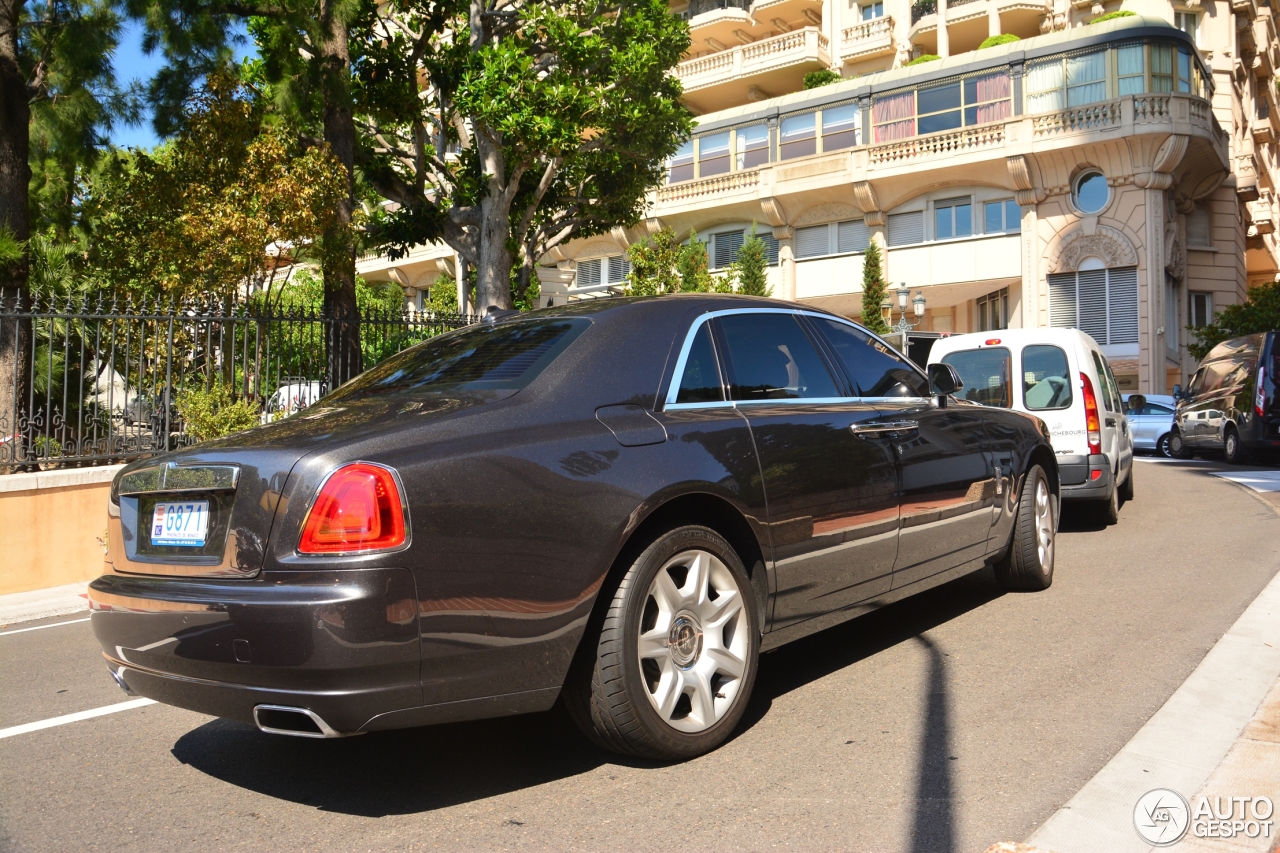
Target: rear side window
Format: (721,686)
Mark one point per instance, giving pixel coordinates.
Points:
(769,357)
(1046,378)
(1156,409)
(985,373)
(1110,397)
(502,357)
(700,382)
(874,369)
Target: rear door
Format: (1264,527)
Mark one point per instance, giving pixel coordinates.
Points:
(1116,441)
(830,476)
(944,460)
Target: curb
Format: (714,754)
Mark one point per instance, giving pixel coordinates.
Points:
(43,603)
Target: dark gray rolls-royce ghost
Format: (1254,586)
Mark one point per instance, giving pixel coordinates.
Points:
(618,504)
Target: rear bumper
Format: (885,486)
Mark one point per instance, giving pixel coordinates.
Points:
(341,644)
(1078,474)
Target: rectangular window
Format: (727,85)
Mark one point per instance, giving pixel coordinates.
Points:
(619,268)
(680,166)
(753,146)
(799,137)
(871,11)
(841,127)
(1198,231)
(1188,22)
(985,374)
(893,117)
(770,247)
(1201,313)
(1087,78)
(1101,303)
(1162,68)
(713,154)
(952,218)
(993,311)
(588,272)
(726,246)
(1046,378)
(906,229)
(988,98)
(1130,68)
(813,241)
(938,108)
(1184,71)
(1000,216)
(1043,86)
(852,235)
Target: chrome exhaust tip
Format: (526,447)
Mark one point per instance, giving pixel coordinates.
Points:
(295,722)
(119,680)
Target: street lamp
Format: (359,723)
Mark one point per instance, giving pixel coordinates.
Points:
(886,309)
(917,306)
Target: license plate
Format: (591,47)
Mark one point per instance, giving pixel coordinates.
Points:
(184,523)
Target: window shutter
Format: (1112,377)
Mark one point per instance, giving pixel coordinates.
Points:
(852,235)
(588,272)
(770,247)
(906,228)
(1122,297)
(618,268)
(812,242)
(1062,301)
(1091,304)
(1198,228)
(727,245)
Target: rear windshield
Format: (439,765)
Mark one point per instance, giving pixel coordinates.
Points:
(1046,378)
(503,357)
(985,374)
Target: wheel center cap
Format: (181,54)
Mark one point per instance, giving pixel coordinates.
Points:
(685,639)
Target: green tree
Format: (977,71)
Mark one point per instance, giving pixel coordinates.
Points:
(508,131)
(655,265)
(695,272)
(1260,312)
(874,289)
(750,271)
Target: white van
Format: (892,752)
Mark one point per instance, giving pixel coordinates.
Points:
(1061,377)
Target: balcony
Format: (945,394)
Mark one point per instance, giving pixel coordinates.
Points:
(867,39)
(772,66)
(967,21)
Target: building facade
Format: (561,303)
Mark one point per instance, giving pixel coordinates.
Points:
(1117,176)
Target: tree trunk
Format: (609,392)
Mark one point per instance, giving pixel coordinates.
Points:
(15,176)
(339,259)
(493,270)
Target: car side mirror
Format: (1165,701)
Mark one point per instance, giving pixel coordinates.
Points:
(1177,392)
(943,380)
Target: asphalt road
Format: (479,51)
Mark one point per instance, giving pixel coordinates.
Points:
(947,722)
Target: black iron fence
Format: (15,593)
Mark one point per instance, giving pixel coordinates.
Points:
(91,381)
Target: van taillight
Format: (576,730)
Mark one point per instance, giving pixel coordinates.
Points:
(1091,423)
(1260,396)
(359,509)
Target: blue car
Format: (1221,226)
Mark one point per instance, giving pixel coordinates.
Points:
(1151,421)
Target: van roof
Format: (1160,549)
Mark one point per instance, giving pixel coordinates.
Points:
(1014,337)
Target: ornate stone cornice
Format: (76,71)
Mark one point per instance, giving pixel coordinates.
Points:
(1025,177)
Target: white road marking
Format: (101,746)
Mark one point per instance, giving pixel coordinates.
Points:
(1259,481)
(74,718)
(38,627)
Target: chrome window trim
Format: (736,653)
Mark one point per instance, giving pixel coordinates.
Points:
(677,375)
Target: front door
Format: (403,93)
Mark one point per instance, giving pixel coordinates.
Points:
(947,480)
(832,494)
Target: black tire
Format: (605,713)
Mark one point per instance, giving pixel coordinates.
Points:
(1108,509)
(608,690)
(1178,448)
(1232,450)
(1162,446)
(1026,566)
(1126,488)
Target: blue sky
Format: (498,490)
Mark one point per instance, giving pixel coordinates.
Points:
(132,64)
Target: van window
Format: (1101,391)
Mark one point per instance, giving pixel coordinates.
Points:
(1046,378)
(985,373)
(1226,372)
(1110,398)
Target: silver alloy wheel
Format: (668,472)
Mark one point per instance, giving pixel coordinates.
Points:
(1044,526)
(693,642)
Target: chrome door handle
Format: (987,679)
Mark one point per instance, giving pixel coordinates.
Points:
(883,427)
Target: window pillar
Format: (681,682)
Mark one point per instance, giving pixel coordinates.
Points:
(944,40)
(785,235)
(1028,315)
(1151,296)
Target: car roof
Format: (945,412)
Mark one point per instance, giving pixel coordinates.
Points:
(676,303)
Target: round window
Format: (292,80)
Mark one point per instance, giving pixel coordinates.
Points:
(1091,192)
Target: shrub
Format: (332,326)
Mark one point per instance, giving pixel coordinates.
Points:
(215,413)
(822,77)
(1260,312)
(920,60)
(1111,16)
(750,270)
(1003,38)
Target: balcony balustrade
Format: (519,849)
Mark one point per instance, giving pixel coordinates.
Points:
(807,44)
(867,39)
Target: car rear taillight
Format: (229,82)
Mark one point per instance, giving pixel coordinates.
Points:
(1091,423)
(359,509)
(1260,396)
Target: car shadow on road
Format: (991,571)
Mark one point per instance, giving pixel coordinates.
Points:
(419,770)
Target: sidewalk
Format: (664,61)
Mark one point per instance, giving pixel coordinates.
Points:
(43,603)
